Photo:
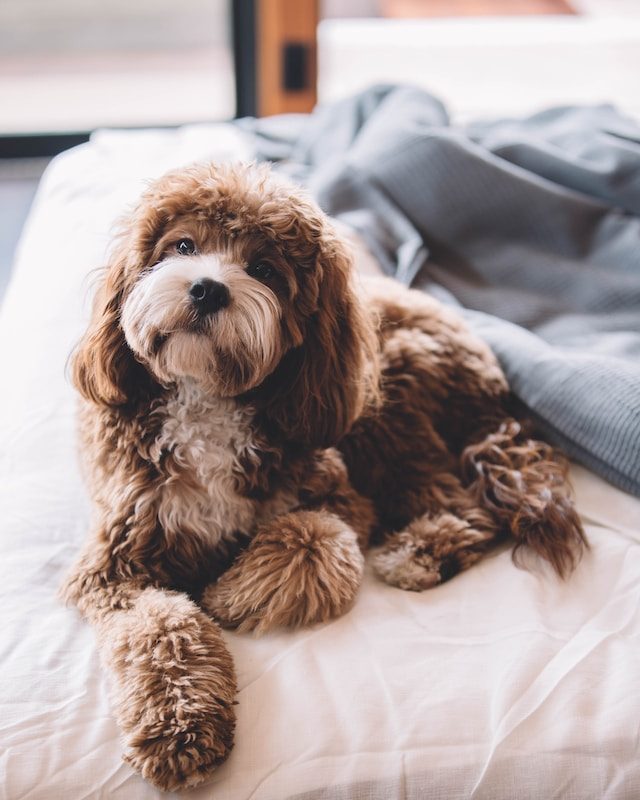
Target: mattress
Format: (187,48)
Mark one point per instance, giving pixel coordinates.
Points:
(502,683)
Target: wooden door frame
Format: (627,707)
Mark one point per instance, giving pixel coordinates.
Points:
(275,55)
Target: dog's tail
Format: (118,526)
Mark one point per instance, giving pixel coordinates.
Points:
(524,484)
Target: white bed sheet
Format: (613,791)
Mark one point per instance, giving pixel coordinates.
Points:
(502,683)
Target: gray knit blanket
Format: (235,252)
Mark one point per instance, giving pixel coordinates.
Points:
(531,226)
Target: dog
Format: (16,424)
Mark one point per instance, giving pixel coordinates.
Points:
(251,419)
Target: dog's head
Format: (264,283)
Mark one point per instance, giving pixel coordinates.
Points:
(234,279)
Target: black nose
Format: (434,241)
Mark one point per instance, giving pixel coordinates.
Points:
(208,296)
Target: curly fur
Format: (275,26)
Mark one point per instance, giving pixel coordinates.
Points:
(302,568)
(240,461)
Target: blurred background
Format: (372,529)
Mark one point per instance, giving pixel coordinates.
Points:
(68,67)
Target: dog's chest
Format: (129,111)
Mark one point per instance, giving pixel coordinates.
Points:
(208,440)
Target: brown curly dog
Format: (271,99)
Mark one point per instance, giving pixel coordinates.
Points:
(247,422)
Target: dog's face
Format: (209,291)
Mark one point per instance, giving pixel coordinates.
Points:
(233,279)
(217,296)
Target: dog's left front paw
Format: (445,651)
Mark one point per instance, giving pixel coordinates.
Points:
(301,568)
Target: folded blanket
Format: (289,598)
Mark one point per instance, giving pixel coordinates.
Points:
(531,226)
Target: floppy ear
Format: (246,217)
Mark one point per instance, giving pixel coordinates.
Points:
(322,386)
(104,369)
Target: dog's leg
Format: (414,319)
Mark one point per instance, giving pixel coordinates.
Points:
(523,483)
(434,547)
(327,486)
(511,486)
(172,677)
(300,568)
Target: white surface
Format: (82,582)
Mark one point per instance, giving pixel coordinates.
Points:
(487,66)
(499,684)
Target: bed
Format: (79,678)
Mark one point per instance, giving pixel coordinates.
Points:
(502,683)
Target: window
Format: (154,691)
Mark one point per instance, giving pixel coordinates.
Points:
(70,65)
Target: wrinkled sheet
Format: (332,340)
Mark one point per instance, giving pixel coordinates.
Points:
(532,225)
(502,683)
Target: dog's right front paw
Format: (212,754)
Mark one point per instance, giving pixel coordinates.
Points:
(174,688)
(184,758)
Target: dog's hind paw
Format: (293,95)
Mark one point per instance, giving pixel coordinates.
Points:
(402,566)
(429,551)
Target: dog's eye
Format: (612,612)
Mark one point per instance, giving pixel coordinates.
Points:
(186,247)
(260,271)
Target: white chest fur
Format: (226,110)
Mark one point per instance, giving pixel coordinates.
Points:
(208,438)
